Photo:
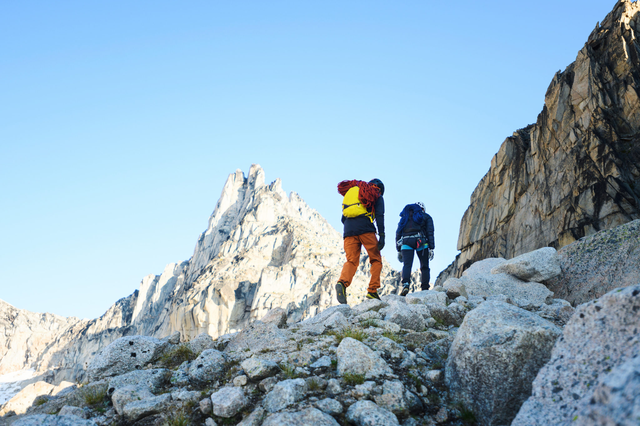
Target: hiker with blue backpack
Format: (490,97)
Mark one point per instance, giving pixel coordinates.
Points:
(362,205)
(415,234)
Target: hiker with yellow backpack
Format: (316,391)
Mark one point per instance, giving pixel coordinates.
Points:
(362,205)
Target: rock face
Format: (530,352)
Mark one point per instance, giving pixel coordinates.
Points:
(595,357)
(575,171)
(262,249)
(595,265)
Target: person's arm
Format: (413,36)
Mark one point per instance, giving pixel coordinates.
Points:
(379,209)
(429,232)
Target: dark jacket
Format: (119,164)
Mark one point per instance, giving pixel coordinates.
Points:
(412,228)
(362,224)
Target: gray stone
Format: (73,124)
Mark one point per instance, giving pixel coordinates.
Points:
(285,394)
(428,297)
(392,398)
(258,369)
(206,407)
(495,356)
(355,357)
(369,305)
(537,266)
(275,316)
(404,316)
(173,338)
(124,355)
(389,348)
(329,406)
(449,315)
(153,379)
(367,413)
(455,288)
(240,380)
(324,315)
(616,398)
(254,419)
(136,410)
(601,335)
(559,312)
(260,337)
(207,367)
(183,395)
(201,343)
(599,263)
(210,422)
(69,410)
(124,395)
(52,420)
(323,363)
(364,390)
(267,384)
(180,377)
(309,416)
(337,321)
(334,388)
(434,376)
(228,401)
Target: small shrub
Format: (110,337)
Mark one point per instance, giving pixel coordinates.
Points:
(393,336)
(289,371)
(466,415)
(299,345)
(94,396)
(353,379)
(416,380)
(177,418)
(314,385)
(348,332)
(177,356)
(334,363)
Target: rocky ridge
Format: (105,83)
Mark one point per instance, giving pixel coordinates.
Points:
(262,249)
(449,356)
(575,171)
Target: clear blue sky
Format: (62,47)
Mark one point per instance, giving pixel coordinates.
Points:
(120,121)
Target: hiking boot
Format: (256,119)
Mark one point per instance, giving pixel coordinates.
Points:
(405,290)
(341,292)
(373,295)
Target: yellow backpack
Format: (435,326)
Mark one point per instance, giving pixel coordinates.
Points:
(351,205)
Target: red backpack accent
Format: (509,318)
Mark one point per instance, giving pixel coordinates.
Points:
(368,195)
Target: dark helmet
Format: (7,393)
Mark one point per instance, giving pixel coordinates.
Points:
(379,184)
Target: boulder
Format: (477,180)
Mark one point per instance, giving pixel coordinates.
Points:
(258,369)
(601,336)
(480,282)
(208,366)
(53,420)
(449,315)
(367,306)
(253,419)
(455,288)
(285,394)
(599,263)
(26,397)
(616,398)
(354,357)
(125,354)
(537,266)
(275,316)
(258,337)
(389,348)
(330,406)
(367,413)
(153,379)
(427,297)
(136,410)
(309,416)
(228,401)
(126,394)
(404,316)
(495,356)
(558,312)
(201,343)
(69,410)
(392,398)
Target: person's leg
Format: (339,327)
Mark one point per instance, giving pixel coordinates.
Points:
(423,255)
(352,248)
(407,264)
(370,243)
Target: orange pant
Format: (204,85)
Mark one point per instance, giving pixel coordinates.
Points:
(352,247)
